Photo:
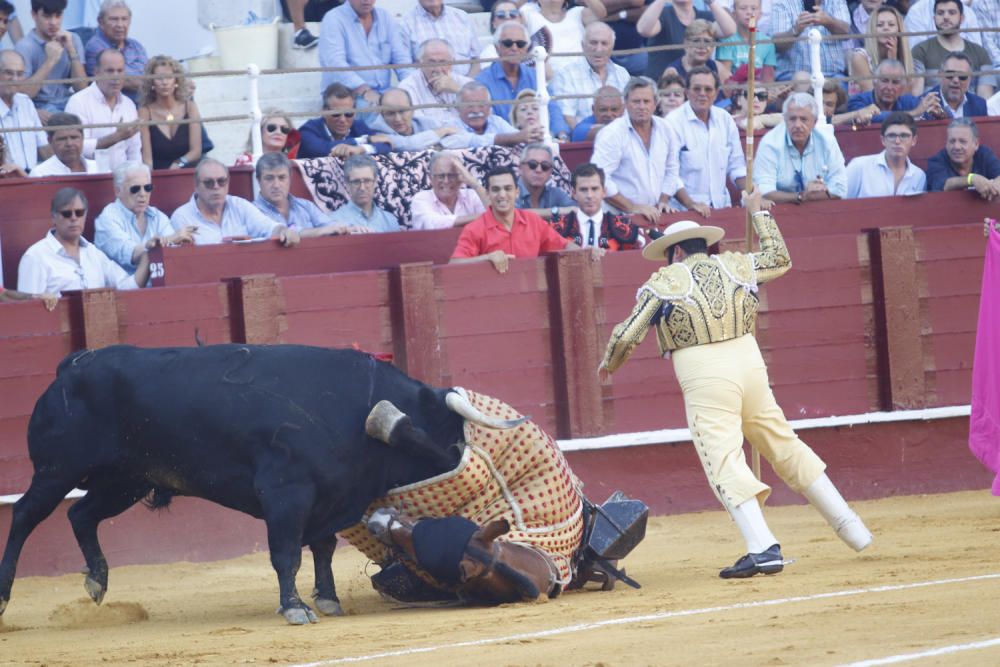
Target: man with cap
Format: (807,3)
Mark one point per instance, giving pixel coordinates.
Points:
(703,309)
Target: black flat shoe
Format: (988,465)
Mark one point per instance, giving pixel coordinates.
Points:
(766,562)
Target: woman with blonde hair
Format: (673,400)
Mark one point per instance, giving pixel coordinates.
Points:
(525,111)
(277,135)
(882,44)
(165,99)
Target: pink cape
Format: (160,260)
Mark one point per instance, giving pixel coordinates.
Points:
(984,421)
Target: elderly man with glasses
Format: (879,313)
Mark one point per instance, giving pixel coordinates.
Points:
(797,163)
(360,212)
(509,76)
(217,216)
(447,203)
(128,227)
(64,260)
(534,192)
(337,133)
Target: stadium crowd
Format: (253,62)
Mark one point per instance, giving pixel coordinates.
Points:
(665,122)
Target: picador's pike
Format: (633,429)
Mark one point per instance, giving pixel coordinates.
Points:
(314,442)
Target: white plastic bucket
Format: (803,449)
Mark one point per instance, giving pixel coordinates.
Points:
(241,45)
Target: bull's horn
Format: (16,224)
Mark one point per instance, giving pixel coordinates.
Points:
(459,403)
(382,419)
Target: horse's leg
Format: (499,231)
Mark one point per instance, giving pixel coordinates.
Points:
(325,592)
(104,499)
(393,529)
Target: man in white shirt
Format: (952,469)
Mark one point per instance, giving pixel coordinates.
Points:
(67,145)
(889,172)
(218,216)
(103,102)
(637,155)
(447,203)
(585,77)
(64,260)
(481,127)
(708,143)
(435,83)
(402,129)
(25,149)
(435,19)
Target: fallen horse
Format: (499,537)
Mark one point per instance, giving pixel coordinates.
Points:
(454,494)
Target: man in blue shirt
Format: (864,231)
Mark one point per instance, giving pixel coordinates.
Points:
(359,34)
(887,93)
(337,133)
(506,78)
(608,105)
(360,172)
(963,164)
(956,101)
(274,175)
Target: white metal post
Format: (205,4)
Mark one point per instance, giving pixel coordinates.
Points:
(817,74)
(542,95)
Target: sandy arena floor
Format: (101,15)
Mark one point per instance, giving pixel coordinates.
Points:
(830,607)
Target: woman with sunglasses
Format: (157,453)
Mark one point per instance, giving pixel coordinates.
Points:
(167,99)
(761,120)
(277,135)
(129,226)
(502,12)
(64,260)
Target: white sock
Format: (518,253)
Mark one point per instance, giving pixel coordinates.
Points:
(750,520)
(849,527)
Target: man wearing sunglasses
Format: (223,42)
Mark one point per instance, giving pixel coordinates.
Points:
(217,216)
(128,227)
(338,133)
(890,172)
(534,191)
(953,92)
(67,144)
(506,78)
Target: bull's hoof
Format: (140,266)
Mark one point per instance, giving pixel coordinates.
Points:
(298,615)
(328,607)
(95,589)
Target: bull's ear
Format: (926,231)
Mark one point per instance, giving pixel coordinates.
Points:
(470,568)
(493,530)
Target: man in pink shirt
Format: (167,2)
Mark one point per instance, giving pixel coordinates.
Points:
(503,232)
(447,203)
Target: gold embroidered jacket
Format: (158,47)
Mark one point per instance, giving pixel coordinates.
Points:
(704,299)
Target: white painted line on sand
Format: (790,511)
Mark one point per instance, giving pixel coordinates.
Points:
(929,653)
(646,618)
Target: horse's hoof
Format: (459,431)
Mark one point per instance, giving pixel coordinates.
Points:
(329,607)
(299,615)
(95,589)
(380,524)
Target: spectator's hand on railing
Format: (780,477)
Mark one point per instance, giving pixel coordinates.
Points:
(597,253)
(500,260)
(651,213)
(815,189)
(665,207)
(287,237)
(704,210)
(346,150)
(443,132)
(987,189)
(11,170)
(184,236)
(50,301)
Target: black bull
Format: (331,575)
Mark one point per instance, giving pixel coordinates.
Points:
(275,432)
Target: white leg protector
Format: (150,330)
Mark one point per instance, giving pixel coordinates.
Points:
(850,528)
(750,520)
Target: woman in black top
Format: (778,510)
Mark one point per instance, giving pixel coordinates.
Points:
(165,100)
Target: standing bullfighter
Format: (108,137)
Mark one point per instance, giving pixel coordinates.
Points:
(703,309)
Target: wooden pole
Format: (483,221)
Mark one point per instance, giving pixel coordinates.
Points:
(751,71)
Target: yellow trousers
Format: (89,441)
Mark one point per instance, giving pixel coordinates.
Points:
(727,397)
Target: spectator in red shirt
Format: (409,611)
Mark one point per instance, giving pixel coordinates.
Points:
(503,232)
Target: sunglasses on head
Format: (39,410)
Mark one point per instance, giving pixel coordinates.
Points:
(535,164)
(519,43)
(73,213)
(148,187)
(507,14)
(212,183)
(273,127)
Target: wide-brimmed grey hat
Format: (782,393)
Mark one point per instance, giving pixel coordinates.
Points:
(682,230)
